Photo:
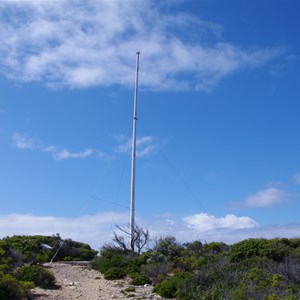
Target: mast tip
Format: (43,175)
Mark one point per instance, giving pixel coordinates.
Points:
(138,52)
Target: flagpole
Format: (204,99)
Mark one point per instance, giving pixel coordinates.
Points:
(132,190)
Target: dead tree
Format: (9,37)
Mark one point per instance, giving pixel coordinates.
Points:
(141,239)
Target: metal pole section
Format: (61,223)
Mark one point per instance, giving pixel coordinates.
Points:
(132,192)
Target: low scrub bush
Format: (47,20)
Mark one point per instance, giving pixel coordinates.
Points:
(139,279)
(156,271)
(250,269)
(171,288)
(38,275)
(114,273)
(111,258)
(10,288)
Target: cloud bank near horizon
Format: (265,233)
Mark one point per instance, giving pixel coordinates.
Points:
(80,44)
(97,229)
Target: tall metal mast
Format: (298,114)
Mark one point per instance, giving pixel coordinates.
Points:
(132,191)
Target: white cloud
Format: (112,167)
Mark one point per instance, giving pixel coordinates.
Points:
(125,146)
(144,145)
(232,236)
(22,141)
(66,154)
(79,44)
(266,198)
(97,229)
(207,228)
(93,229)
(206,222)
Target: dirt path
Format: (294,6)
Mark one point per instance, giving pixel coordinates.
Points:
(80,282)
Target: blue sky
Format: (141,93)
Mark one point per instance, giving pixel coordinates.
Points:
(218,130)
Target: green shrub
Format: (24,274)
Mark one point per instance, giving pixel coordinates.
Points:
(276,297)
(135,263)
(4,268)
(195,248)
(44,257)
(156,271)
(215,248)
(171,288)
(68,258)
(258,277)
(166,288)
(111,258)
(130,289)
(166,249)
(38,275)
(139,279)
(27,285)
(254,247)
(240,292)
(114,273)
(87,254)
(72,250)
(10,288)
(29,249)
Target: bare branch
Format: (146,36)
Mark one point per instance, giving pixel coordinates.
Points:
(141,238)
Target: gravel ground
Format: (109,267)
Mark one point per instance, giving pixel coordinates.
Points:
(80,282)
